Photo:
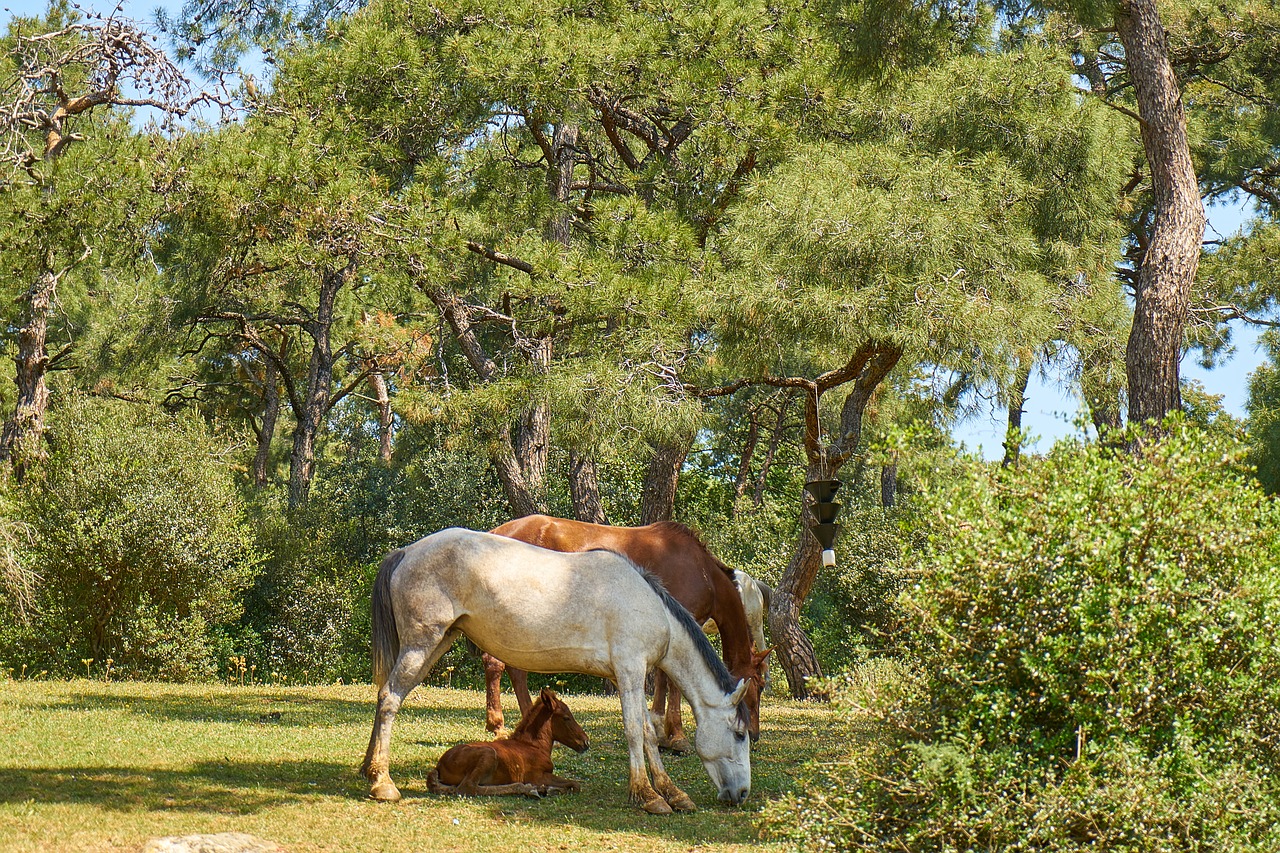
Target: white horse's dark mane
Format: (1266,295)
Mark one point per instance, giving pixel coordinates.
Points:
(688,623)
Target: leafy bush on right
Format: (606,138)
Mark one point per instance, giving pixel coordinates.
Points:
(1090,664)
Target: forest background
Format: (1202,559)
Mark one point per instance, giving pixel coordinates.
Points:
(288,286)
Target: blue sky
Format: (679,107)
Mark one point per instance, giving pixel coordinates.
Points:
(1052,407)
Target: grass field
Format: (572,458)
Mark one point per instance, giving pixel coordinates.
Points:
(88,765)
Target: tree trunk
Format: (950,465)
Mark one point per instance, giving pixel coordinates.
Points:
(658,500)
(1017,400)
(867,368)
(564,142)
(533,441)
(267,429)
(889,483)
(319,388)
(1169,262)
(22,441)
(744,458)
(795,652)
(521,498)
(382,399)
(584,489)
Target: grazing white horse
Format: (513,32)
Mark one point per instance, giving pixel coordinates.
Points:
(595,612)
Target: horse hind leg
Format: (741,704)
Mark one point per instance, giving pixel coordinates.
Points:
(493,719)
(520,686)
(666,709)
(410,668)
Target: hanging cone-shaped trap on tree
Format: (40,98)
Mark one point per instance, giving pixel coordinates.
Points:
(825,509)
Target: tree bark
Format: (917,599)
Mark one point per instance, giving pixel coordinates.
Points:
(1173,253)
(22,441)
(533,440)
(658,500)
(1017,400)
(564,156)
(867,369)
(267,429)
(584,489)
(319,387)
(889,483)
(382,399)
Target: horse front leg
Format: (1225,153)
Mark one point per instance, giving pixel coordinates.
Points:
(550,784)
(493,720)
(677,799)
(637,729)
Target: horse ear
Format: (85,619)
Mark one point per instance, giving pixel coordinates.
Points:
(548,695)
(739,692)
(761,657)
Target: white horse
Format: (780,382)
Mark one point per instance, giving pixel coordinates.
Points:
(545,611)
(755,603)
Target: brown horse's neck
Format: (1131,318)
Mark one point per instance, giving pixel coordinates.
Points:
(731,620)
(535,726)
(726,601)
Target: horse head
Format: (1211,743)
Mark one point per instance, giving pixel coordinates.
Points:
(723,745)
(564,728)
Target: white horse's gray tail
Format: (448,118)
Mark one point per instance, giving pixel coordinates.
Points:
(766,592)
(386,639)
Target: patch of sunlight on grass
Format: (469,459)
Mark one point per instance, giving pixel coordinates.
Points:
(87,765)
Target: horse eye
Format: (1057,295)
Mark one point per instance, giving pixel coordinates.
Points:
(739,736)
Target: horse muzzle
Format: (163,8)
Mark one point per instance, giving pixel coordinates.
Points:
(734,797)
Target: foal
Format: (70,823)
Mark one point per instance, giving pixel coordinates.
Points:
(520,764)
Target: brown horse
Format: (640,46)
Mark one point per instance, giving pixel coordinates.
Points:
(689,571)
(520,764)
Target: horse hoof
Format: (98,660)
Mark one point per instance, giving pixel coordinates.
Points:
(681,802)
(657,806)
(385,792)
(679,746)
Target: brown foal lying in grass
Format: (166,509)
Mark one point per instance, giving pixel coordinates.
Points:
(520,764)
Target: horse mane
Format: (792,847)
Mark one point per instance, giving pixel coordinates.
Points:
(686,621)
(675,527)
(539,712)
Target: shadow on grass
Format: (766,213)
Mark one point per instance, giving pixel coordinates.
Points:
(264,709)
(222,787)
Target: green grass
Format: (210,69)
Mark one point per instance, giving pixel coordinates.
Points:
(88,765)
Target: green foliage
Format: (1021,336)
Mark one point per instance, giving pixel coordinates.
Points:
(139,535)
(1093,666)
(307,615)
(1264,417)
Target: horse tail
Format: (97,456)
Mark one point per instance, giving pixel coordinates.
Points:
(386,639)
(766,592)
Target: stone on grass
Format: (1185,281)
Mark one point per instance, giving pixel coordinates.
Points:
(222,842)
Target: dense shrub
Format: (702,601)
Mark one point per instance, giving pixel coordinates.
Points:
(1093,667)
(138,532)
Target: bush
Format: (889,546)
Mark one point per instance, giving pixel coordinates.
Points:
(138,531)
(1093,667)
